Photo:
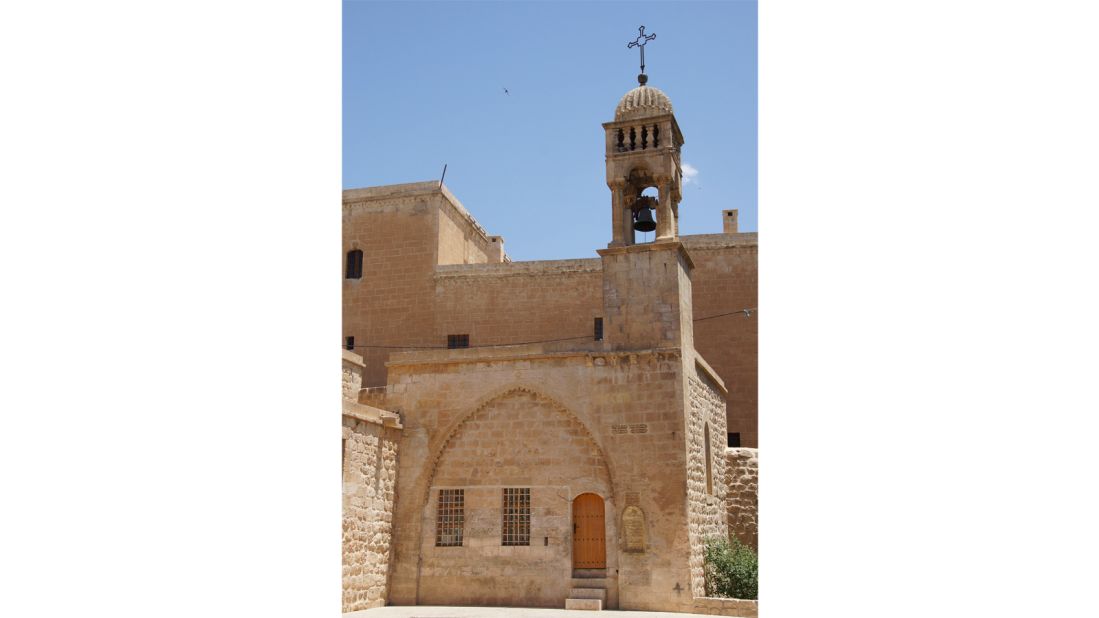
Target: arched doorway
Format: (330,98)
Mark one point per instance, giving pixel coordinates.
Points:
(589,544)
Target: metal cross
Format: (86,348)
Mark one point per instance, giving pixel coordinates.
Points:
(639,42)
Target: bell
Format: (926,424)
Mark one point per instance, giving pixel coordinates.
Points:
(643,220)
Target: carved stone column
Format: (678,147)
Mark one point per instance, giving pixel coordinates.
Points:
(629,195)
(618,239)
(665,220)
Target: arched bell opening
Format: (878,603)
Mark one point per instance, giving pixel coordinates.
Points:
(643,214)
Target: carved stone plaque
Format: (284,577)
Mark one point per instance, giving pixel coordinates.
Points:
(633,525)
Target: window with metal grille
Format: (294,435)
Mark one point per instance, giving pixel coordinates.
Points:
(349,343)
(516,530)
(599,329)
(450,515)
(734,440)
(354,268)
(457,341)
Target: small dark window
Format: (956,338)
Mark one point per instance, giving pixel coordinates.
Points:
(599,329)
(354,264)
(349,343)
(734,440)
(457,341)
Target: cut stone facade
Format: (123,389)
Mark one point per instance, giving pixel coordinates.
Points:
(552,459)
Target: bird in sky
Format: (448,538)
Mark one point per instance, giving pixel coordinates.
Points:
(506,92)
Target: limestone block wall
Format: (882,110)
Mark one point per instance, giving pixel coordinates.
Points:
(631,406)
(519,440)
(646,296)
(370,444)
(741,502)
(396,229)
(462,240)
(706,491)
(725,279)
(431,270)
(518,302)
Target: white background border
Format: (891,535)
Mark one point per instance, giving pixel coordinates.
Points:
(171,280)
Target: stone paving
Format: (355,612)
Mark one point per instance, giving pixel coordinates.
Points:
(429,611)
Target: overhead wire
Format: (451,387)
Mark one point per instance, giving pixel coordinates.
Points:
(747,313)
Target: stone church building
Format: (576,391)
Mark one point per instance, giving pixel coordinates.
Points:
(547,433)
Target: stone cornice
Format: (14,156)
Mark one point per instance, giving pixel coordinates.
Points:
(659,245)
(516,269)
(363,197)
(370,414)
(526,352)
(718,241)
(705,367)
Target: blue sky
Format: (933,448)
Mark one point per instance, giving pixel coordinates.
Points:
(423,86)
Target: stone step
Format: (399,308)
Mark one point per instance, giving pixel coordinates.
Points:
(589,582)
(589,573)
(589,593)
(589,604)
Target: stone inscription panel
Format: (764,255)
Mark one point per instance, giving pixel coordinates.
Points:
(633,526)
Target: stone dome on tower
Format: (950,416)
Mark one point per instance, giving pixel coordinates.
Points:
(642,102)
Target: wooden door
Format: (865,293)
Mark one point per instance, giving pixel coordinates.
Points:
(589,545)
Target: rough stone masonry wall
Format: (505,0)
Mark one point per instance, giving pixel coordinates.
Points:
(352,375)
(705,509)
(742,481)
(369,481)
(741,608)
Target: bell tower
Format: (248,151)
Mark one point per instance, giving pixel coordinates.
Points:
(642,151)
(646,286)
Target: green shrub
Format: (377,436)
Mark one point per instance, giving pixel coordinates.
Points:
(732,570)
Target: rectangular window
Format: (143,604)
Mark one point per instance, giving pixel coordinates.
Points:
(457,341)
(734,440)
(354,268)
(599,329)
(450,515)
(349,343)
(516,530)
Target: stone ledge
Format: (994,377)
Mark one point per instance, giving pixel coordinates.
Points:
(718,241)
(742,452)
(359,197)
(513,269)
(588,604)
(715,606)
(352,358)
(656,245)
(370,414)
(516,352)
(709,371)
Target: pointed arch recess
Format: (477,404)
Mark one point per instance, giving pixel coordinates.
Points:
(455,427)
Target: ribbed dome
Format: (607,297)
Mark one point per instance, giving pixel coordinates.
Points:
(642,102)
